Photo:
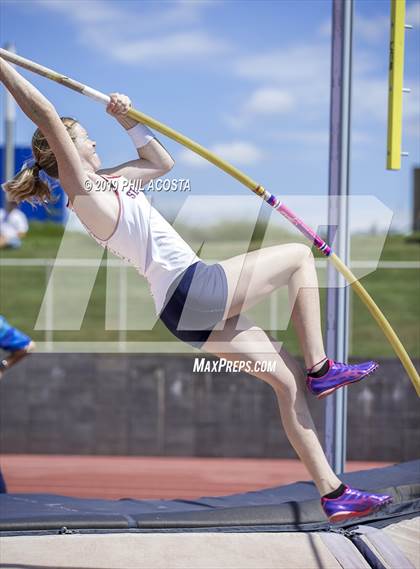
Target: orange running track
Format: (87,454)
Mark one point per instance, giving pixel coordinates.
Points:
(113,477)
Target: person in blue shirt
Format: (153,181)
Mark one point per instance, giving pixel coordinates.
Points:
(19,345)
(12,340)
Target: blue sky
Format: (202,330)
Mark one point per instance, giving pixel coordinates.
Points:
(249,80)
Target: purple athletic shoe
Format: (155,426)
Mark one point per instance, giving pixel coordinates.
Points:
(338,376)
(353,504)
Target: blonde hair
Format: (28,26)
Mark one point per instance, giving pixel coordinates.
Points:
(27,184)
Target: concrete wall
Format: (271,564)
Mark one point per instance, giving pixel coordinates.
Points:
(149,405)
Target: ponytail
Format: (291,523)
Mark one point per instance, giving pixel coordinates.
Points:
(27,185)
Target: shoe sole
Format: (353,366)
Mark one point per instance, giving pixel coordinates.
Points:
(351,381)
(342,516)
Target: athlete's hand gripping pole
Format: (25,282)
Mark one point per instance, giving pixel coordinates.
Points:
(249,183)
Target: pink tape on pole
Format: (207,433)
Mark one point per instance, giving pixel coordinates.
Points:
(307,231)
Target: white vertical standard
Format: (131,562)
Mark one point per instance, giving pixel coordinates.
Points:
(9,132)
(338,230)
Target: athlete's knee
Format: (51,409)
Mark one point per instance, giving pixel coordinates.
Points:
(284,387)
(289,384)
(252,338)
(304,253)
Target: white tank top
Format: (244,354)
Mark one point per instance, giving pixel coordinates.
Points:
(147,241)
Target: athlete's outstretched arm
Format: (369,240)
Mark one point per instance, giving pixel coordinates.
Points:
(153,159)
(42,112)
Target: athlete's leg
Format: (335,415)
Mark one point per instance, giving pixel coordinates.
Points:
(253,276)
(251,343)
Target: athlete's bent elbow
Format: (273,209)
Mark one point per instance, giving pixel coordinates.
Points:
(167,165)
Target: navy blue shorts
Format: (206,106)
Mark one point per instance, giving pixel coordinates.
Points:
(195,303)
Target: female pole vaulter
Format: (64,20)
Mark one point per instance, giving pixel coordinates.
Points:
(199,303)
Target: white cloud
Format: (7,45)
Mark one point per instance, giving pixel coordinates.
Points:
(114,30)
(361,137)
(183,12)
(299,78)
(268,101)
(411,108)
(238,152)
(412,129)
(315,137)
(192,159)
(99,11)
(366,62)
(300,63)
(324,30)
(370,100)
(412,14)
(263,102)
(295,77)
(182,46)
(94,11)
(373,29)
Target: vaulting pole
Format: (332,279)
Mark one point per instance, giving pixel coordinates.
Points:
(271,199)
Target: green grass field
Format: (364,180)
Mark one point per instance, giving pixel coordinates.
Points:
(22,289)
